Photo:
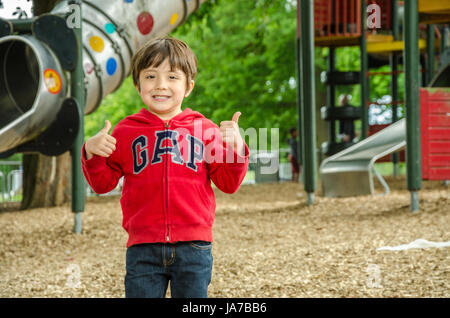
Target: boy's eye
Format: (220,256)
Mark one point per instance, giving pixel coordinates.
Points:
(172,77)
(150,76)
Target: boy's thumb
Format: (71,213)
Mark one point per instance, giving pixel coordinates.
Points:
(236,117)
(107,126)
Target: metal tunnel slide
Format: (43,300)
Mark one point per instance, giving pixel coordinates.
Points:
(34,82)
(350,172)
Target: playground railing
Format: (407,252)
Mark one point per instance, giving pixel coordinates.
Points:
(11,181)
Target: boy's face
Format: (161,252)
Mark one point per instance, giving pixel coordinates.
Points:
(162,90)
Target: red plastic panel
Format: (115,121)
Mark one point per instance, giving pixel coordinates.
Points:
(435,133)
(345,19)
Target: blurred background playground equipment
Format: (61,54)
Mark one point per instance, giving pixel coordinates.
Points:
(348,172)
(60,64)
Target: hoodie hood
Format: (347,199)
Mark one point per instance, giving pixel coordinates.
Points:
(144,116)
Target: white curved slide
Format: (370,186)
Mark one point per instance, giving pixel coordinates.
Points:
(350,172)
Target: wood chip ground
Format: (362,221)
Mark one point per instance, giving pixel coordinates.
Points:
(267,243)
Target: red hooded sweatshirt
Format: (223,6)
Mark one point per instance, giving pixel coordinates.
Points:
(167,167)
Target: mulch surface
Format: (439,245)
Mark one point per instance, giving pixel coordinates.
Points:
(267,243)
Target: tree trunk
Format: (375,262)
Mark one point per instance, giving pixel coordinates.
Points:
(46,180)
(43,6)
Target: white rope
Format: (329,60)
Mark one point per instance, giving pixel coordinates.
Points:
(419,243)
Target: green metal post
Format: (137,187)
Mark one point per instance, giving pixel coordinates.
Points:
(22,25)
(411,66)
(309,103)
(444,38)
(78,92)
(300,149)
(430,53)
(364,68)
(394,77)
(301,143)
(331,95)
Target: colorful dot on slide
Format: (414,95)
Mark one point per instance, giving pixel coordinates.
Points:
(88,67)
(128,1)
(97,44)
(145,23)
(52,81)
(174,18)
(111,66)
(110,28)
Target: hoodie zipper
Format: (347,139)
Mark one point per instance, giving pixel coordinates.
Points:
(167,188)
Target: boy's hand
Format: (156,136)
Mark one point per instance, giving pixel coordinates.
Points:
(101,144)
(229,130)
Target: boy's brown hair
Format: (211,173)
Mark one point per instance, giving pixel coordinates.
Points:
(153,53)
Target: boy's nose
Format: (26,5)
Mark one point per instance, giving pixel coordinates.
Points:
(161,83)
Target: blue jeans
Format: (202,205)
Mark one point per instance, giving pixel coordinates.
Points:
(150,267)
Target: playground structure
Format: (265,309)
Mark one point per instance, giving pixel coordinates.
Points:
(354,165)
(70,69)
(375,26)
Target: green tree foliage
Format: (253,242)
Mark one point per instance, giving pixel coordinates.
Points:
(246,56)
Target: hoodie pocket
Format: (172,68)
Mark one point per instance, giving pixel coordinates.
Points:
(203,195)
(190,203)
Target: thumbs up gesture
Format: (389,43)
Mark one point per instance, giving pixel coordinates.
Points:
(229,129)
(102,144)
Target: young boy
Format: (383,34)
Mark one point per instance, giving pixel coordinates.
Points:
(168,158)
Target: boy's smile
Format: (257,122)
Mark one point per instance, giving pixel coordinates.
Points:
(163,89)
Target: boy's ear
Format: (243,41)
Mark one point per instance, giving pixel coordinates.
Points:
(138,87)
(189,88)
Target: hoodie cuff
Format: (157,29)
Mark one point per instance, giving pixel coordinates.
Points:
(242,159)
(93,164)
